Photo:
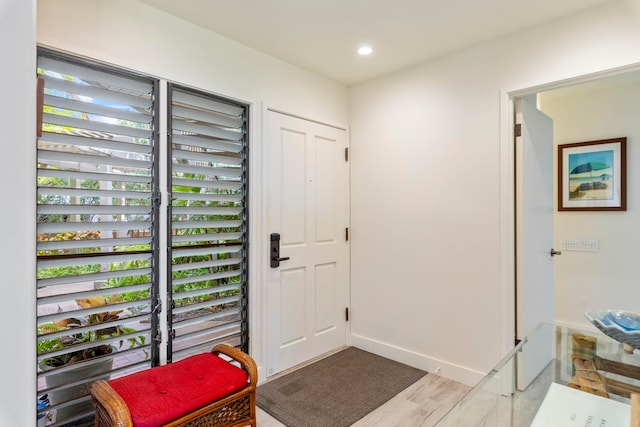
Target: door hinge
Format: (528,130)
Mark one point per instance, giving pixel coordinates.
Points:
(517,130)
(346,234)
(346,154)
(346,314)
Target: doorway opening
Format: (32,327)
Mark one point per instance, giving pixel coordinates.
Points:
(577,85)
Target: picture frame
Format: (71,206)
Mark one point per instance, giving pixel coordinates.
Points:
(592,175)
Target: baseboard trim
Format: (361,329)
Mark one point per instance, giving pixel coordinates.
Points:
(454,372)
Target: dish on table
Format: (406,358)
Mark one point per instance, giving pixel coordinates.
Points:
(626,319)
(622,326)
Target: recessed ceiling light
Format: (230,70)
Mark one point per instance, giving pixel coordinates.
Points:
(365,50)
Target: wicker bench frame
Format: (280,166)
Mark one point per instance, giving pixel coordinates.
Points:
(238,409)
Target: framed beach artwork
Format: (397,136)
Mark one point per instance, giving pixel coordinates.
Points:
(592,176)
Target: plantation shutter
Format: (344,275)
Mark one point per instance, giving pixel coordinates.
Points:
(96,228)
(208,222)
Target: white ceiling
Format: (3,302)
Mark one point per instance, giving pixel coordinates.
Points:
(322,36)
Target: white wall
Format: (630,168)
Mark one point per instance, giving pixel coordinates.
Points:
(427,243)
(608,279)
(17,253)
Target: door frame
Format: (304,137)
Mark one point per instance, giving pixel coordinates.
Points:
(507,187)
(259,232)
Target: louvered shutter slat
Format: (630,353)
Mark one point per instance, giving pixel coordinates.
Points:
(103,95)
(209,144)
(98,110)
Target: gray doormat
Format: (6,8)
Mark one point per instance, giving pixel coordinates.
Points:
(336,391)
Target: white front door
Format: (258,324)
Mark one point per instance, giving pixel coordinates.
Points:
(534,238)
(308,207)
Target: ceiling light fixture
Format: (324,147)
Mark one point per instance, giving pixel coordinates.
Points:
(365,50)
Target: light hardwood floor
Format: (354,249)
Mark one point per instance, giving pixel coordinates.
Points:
(420,405)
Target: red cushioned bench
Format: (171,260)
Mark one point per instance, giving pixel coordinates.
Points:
(203,390)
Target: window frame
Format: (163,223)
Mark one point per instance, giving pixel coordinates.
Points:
(238,338)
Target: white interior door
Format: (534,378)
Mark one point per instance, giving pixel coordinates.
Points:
(307,206)
(534,238)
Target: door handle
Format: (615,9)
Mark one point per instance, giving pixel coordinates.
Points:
(275,251)
(554,252)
